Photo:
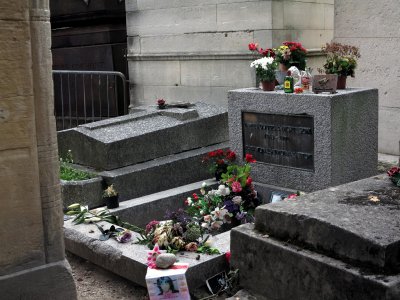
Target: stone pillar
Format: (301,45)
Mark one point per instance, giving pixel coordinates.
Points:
(32,262)
(373,26)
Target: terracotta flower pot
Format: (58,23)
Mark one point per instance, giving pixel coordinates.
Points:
(341,82)
(268,86)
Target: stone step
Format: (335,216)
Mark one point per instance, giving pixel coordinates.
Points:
(355,222)
(160,174)
(129,260)
(146,134)
(140,211)
(279,270)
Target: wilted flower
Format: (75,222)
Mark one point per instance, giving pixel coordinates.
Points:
(192,247)
(178,242)
(124,236)
(151,225)
(237,200)
(216,225)
(163,240)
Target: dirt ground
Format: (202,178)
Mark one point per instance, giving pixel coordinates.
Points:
(95,283)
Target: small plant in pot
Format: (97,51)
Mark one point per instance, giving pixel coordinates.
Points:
(110,195)
(341,60)
(265,71)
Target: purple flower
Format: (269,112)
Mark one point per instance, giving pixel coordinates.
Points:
(124,237)
(241,215)
(230,206)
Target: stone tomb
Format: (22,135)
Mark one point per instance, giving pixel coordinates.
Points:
(306,142)
(338,243)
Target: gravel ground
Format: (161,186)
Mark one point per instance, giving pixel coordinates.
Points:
(95,283)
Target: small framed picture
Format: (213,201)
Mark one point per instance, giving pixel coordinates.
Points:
(277,196)
(217,283)
(168,283)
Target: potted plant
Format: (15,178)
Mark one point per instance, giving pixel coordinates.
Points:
(110,196)
(341,60)
(291,54)
(265,71)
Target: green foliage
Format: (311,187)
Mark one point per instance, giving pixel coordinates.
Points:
(340,59)
(239,173)
(69,173)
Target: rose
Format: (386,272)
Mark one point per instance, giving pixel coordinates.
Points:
(249,158)
(228,256)
(236,187)
(292,196)
(249,181)
(151,225)
(393,171)
(253,46)
(230,155)
(161,102)
(192,247)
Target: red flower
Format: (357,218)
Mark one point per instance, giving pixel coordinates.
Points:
(219,152)
(220,162)
(249,158)
(253,47)
(228,257)
(249,181)
(267,52)
(236,187)
(195,197)
(161,102)
(393,171)
(292,196)
(212,154)
(230,155)
(186,202)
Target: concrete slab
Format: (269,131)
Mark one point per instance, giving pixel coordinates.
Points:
(128,260)
(357,222)
(160,174)
(279,270)
(142,210)
(127,140)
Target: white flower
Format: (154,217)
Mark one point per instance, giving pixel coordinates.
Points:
(208,243)
(190,202)
(201,212)
(264,63)
(204,225)
(223,190)
(219,213)
(202,191)
(204,184)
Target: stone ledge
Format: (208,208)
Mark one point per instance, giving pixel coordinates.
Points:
(128,260)
(278,270)
(341,222)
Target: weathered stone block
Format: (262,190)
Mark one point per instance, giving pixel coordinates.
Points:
(130,139)
(244,16)
(160,174)
(140,211)
(344,146)
(156,72)
(279,270)
(342,222)
(129,260)
(86,192)
(302,15)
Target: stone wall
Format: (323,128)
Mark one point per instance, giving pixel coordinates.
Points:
(374,28)
(32,263)
(184,50)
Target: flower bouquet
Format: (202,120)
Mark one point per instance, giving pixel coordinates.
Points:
(218,161)
(291,54)
(233,202)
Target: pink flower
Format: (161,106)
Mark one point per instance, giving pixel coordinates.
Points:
(292,196)
(152,256)
(236,187)
(249,181)
(192,247)
(393,171)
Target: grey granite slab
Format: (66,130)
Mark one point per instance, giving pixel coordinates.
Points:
(277,269)
(145,135)
(345,222)
(345,135)
(129,260)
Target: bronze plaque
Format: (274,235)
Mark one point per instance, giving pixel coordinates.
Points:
(286,140)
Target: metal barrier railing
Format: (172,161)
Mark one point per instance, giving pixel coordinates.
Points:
(82,97)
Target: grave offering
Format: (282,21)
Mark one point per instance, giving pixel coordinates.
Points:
(306,142)
(337,243)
